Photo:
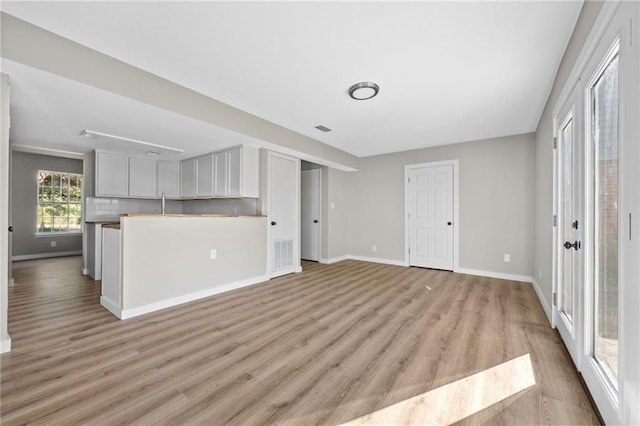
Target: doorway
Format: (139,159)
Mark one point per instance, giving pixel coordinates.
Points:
(431,214)
(311,182)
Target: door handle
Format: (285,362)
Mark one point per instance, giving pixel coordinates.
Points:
(576,245)
(449,223)
(273,224)
(315,221)
(11,229)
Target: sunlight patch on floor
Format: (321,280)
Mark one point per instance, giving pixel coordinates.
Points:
(455,401)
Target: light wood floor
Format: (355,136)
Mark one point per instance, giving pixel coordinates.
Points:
(349,342)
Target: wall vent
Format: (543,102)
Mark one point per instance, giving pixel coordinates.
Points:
(282,254)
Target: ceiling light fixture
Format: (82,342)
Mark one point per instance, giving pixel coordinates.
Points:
(153,152)
(363,90)
(92,134)
(323,128)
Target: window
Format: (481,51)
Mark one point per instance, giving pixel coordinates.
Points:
(59,202)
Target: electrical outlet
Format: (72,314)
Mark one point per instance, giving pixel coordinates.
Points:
(507,257)
(374,248)
(333,206)
(213,253)
(53,243)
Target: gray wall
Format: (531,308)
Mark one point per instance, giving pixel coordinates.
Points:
(543,243)
(496,203)
(339,194)
(24,189)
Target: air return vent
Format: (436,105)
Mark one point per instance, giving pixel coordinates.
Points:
(323,128)
(282,254)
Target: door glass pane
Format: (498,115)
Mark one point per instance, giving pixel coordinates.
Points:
(604,101)
(566,142)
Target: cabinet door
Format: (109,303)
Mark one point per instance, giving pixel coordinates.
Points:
(204,173)
(188,178)
(112,175)
(142,177)
(234,172)
(168,179)
(221,174)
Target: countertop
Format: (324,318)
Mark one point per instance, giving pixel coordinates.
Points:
(111,226)
(103,222)
(185,215)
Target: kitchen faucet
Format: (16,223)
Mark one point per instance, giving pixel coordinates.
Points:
(163,202)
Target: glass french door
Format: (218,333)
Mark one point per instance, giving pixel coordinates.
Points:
(603,98)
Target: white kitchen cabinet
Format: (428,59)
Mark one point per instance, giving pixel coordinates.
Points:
(220,174)
(112,175)
(236,172)
(204,176)
(142,177)
(188,178)
(111,297)
(168,179)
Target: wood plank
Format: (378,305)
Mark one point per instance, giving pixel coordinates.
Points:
(349,342)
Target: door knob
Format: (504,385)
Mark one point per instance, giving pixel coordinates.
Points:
(273,224)
(576,245)
(315,221)
(11,229)
(449,223)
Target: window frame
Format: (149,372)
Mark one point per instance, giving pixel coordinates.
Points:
(69,175)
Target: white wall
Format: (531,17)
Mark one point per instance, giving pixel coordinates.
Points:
(168,257)
(496,203)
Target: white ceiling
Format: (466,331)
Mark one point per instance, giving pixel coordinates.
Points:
(448,71)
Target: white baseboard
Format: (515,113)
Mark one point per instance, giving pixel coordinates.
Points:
(5,345)
(491,274)
(84,271)
(111,306)
(174,301)
(328,261)
(45,255)
(379,260)
(543,301)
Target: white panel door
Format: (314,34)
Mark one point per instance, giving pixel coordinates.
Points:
(283,214)
(570,224)
(310,215)
(430,191)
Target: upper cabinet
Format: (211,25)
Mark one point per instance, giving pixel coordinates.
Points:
(237,172)
(168,179)
(188,178)
(142,177)
(112,175)
(228,173)
(204,176)
(119,175)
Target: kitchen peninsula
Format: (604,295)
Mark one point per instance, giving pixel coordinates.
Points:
(154,261)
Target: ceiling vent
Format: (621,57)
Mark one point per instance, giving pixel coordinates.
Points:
(323,129)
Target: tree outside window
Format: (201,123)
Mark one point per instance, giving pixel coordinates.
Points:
(59,202)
